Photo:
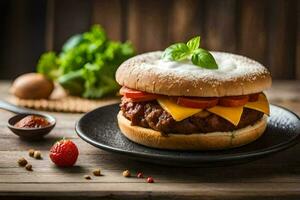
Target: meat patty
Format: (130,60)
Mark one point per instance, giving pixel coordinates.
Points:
(151,115)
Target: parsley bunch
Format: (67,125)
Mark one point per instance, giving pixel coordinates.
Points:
(190,50)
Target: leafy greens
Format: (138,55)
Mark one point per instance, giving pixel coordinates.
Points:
(87,64)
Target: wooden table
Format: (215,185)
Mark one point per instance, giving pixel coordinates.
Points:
(274,177)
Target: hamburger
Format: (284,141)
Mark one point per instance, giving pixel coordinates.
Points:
(179,104)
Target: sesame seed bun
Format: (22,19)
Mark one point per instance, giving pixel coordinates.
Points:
(237,75)
(196,141)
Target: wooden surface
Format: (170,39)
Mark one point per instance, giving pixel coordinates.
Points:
(265,30)
(273,177)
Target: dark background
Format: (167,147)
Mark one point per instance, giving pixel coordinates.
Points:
(266,30)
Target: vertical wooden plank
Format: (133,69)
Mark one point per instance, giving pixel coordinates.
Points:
(71,17)
(148,24)
(220,25)
(5,15)
(297,59)
(108,13)
(282,39)
(22,39)
(49,36)
(252,40)
(186,20)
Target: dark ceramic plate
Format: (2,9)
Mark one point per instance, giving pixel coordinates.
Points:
(99,128)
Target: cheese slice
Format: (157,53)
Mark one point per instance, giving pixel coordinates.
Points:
(231,114)
(176,111)
(261,105)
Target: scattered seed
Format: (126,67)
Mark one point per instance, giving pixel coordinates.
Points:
(150,180)
(87,177)
(140,175)
(22,162)
(28,167)
(37,155)
(97,172)
(126,173)
(31,152)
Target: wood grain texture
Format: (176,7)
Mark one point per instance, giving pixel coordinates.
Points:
(50,17)
(22,36)
(147,29)
(165,191)
(274,177)
(70,19)
(252,39)
(298,42)
(220,25)
(109,14)
(266,30)
(185,15)
(281,39)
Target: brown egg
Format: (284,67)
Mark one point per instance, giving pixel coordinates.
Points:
(32,86)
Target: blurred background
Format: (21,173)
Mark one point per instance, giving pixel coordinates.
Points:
(265,30)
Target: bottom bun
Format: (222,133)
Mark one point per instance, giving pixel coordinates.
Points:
(195,141)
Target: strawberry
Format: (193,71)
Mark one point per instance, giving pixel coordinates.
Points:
(64,153)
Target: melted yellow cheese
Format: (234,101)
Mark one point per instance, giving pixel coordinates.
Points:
(231,114)
(176,111)
(261,105)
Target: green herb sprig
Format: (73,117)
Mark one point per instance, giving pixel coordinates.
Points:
(190,50)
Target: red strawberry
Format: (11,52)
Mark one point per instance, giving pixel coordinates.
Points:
(64,153)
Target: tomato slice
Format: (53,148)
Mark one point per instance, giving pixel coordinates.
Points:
(127,91)
(233,101)
(253,97)
(205,102)
(136,95)
(137,99)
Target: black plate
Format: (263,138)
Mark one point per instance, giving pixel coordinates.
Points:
(99,128)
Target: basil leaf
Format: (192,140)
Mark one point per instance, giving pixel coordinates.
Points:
(204,59)
(190,50)
(193,43)
(178,51)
